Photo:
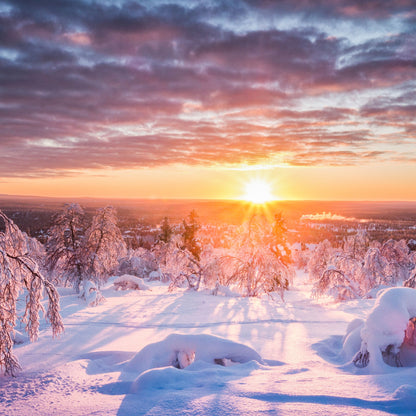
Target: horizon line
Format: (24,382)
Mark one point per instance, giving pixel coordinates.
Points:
(11,196)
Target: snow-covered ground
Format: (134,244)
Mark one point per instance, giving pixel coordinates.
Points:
(255,356)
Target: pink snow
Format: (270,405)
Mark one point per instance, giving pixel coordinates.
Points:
(291,358)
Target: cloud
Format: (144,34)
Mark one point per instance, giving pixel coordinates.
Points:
(127,84)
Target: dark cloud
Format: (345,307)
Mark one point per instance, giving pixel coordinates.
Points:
(87,84)
(336,8)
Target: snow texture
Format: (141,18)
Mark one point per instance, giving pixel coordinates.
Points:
(305,369)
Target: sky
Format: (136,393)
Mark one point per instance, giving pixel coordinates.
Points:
(193,99)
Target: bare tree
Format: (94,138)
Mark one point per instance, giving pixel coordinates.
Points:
(19,271)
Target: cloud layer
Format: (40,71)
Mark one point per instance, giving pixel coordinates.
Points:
(89,85)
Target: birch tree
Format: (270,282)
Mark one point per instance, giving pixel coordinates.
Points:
(19,271)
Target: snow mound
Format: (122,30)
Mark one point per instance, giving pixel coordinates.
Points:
(352,339)
(199,374)
(406,392)
(182,350)
(386,328)
(221,290)
(128,281)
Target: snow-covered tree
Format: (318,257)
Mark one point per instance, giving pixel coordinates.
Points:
(19,271)
(182,266)
(396,254)
(319,259)
(337,284)
(180,258)
(278,240)
(260,260)
(374,269)
(356,245)
(76,251)
(65,246)
(103,245)
(384,264)
(300,256)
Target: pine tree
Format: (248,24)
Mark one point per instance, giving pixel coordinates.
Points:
(190,229)
(166,231)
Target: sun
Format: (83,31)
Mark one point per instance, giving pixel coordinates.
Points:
(258,191)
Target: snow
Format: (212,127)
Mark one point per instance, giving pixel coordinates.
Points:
(387,324)
(232,356)
(90,293)
(128,281)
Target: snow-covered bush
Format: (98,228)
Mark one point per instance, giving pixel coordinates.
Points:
(19,271)
(90,293)
(181,350)
(386,328)
(181,266)
(254,274)
(140,262)
(128,281)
